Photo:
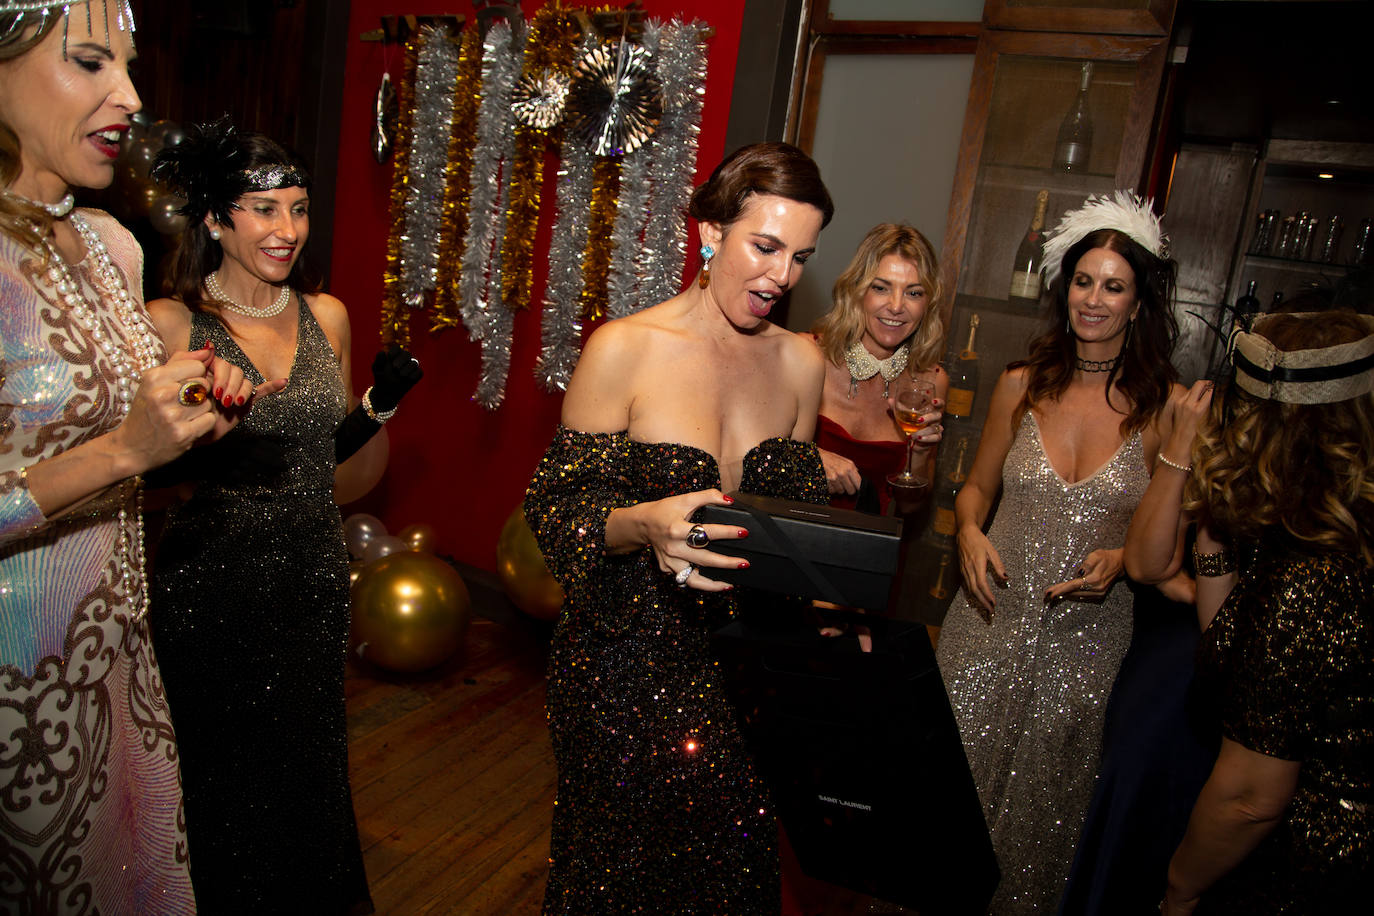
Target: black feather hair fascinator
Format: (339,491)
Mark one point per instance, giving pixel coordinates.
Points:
(211,170)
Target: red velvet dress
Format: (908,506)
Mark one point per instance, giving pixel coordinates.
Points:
(874,459)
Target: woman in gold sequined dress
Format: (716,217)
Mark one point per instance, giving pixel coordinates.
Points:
(1030,653)
(1284,496)
(659,809)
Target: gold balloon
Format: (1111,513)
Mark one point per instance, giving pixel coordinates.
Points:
(355,570)
(410,612)
(418,537)
(523,574)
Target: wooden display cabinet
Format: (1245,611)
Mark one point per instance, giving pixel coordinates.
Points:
(1120,17)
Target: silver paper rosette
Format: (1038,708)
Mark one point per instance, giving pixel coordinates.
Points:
(540,101)
(614,103)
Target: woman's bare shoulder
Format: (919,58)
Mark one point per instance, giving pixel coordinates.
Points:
(172,319)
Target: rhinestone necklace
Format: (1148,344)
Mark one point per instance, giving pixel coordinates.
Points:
(217,293)
(1096,365)
(129,360)
(864,365)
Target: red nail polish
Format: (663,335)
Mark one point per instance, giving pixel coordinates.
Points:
(209,344)
(239,400)
(743,532)
(728,588)
(743,564)
(219,392)
(228,401)
(728,499)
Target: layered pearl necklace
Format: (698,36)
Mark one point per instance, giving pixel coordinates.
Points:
(217,293)
(129,358)
(864,365)
(56,211)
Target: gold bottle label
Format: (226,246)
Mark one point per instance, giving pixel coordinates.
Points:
(960,402)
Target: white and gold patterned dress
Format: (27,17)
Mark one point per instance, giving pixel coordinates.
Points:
(90,796)
(1030,690)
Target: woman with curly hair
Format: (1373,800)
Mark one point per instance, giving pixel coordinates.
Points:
(1030,654)
(1281,483)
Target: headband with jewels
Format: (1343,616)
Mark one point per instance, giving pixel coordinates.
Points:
(210,170)
(1122,211)
(16,16)
(1324,375)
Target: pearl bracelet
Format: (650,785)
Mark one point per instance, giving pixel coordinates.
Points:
(1164,459)
(377,416)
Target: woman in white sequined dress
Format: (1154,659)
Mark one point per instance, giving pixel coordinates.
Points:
(90,798)
(1073,432)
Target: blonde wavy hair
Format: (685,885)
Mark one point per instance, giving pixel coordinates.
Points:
(839,328)
(23,222)
(1306,470)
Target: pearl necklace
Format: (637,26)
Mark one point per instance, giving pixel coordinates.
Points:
(129,357)
(864,365)
(56,211)
(217,293)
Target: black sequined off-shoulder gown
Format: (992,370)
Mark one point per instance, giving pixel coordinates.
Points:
(659,809)
(250,619)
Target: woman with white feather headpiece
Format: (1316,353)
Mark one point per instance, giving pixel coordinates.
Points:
(1073,433)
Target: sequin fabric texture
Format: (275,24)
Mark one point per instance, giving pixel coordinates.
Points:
(659,809)
(90,804)
(1030,690)
(1290,661)
(250,617)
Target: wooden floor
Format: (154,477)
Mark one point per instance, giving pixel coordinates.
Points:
(453,780)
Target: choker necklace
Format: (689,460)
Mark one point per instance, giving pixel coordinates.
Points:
(56,211)
(1096,365)
(864,365)
(217,293)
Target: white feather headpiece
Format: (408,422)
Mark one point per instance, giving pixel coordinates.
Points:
(1122,211)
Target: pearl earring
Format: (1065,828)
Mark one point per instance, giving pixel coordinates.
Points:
(214,234)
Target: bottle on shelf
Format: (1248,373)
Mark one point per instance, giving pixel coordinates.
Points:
(1074,141)
(946,490)
(1276,301)
(1030,255)
(1248,305)
(963,378)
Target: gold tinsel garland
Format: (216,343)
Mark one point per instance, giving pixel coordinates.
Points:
(549,46)
(395,322)
(596,260)
(458,188)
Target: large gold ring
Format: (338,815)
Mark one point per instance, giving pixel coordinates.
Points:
(192,393)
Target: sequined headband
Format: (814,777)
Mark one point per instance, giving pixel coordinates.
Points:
(272,177)
(1321,376)
(124,17)
(1122,211)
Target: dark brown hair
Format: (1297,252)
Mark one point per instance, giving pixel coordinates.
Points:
(763,168)
(1144,374)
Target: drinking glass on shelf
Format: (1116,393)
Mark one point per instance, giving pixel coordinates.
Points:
(913,400)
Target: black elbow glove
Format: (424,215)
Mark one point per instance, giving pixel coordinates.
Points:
(394,372)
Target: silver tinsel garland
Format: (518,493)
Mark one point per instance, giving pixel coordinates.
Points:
(479,286)
(632,212)
(436,71)
(561,341)
(673,157)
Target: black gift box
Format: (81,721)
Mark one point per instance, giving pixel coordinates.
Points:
(863,759)
(809,550)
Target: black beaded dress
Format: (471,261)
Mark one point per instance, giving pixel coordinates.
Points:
(1289,659)
(659,809)
(250,618)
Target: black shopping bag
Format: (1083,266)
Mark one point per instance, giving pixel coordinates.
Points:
(863,758)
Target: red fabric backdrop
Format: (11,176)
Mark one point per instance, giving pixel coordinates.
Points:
(453,464)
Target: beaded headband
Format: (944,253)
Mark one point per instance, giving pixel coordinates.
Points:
(1321,376)
(11,30)
(1122,211)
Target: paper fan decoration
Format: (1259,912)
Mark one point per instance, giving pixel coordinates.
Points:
(615,102)
(540,101)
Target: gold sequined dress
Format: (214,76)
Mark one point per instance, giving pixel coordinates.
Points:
(1289,659)
(250,615)
(1030,690)
(90,799)
(659,808)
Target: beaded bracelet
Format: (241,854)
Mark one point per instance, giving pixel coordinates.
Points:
(1185,468)
(1216,564)
(377,416)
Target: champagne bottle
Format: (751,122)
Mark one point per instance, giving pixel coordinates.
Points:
(946,490)
(941,590)
(1248,304)
(1030,254)
(1072,145)
(963,378)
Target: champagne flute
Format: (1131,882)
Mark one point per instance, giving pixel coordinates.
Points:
(914,399)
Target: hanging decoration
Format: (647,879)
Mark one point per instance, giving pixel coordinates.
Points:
(384,117)
(618,98)
(549,45)
(453,223)
(394,320)
(483,313)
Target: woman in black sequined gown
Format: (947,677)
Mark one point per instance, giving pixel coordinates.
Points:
(1281,487)
(251,603)
(659,809)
